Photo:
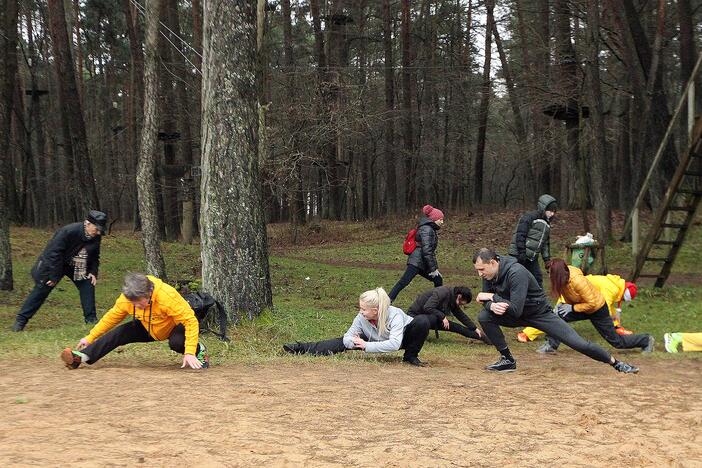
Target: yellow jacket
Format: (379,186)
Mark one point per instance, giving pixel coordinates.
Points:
(611,287)
(581,293)
(167,309)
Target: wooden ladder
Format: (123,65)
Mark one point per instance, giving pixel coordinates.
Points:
(676,211)
(674,215)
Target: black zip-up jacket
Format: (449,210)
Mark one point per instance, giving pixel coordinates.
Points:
(424,256)
(516,286)
(61,249)
(439,302)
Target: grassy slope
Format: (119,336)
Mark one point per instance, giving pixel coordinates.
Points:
(316,286)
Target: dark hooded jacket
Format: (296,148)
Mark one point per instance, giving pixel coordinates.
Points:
(59,252)
(516,286)
(439,302)
(531,237)
(424,256)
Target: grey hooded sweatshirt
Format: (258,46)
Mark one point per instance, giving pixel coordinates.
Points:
(388,340)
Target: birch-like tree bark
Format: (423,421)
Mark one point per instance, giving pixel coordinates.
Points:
(232,225)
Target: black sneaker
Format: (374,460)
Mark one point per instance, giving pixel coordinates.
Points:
(503,365)
(622,366)
(650,345)
(413,361)
(18,327)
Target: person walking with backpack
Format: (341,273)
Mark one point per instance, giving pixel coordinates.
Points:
(583,301)
(74,251)
(422,258)
(438,303)
(378,328)
(531,237)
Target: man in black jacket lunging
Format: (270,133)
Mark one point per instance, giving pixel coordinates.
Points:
(74,251)
(511,297)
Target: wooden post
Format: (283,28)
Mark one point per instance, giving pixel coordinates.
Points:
(635,231)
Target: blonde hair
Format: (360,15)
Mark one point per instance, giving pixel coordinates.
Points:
(378,298)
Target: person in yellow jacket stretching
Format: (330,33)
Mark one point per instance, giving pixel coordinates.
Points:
(675,342)
(582,301)
(614,289)
(159,313)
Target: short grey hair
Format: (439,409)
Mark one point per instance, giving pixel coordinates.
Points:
(137,286)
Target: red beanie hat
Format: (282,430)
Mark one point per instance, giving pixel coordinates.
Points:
(632,289)
(432,213)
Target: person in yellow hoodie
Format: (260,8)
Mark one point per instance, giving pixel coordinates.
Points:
(582,301)
(614,289)
(684,342)
(158,313)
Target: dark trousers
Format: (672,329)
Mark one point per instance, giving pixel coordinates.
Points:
(132,332)
(466,328)
(535,269)
(413,339)
(407,277)
(543,319)
(604,325)
(41,291)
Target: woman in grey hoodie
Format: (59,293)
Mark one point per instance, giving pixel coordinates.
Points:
(378,328)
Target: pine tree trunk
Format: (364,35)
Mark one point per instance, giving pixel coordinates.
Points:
(599,177)
(8,73)
(71,106)
(146,178)
(405,161)
(232,226)
(484,106)
(394,181)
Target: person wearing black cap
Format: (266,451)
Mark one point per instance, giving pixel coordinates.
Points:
(532,237)
(74,251)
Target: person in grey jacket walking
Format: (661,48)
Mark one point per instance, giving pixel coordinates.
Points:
(378,328)
(532,237)
(422,261)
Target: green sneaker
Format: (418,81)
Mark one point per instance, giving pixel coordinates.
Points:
(202,356)
(673,341)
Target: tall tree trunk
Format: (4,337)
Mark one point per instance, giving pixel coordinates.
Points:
(232,227)
(146,179)
(70,104)
(8,73)
(396,176)
(569,88)
(600,179)
(407,133)
(135,105)
(484,106)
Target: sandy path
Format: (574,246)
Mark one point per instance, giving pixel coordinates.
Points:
(553,411)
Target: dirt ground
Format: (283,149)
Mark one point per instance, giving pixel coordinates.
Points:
(556,410)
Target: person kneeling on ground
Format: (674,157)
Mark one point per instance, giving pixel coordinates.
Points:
(439,302)
(159,312)
(583,301)
(511,297)
(686,342)
(378,328)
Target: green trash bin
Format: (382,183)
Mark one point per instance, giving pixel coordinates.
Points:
(583,255)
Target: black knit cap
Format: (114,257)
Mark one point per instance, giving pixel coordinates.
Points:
(99,219)
(553,206)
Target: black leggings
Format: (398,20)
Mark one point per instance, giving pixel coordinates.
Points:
(544,320)
(132,332)
(602,322)
(462,329)
(407,278)
(413,339)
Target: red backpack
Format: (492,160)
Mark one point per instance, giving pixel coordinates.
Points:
(410,242)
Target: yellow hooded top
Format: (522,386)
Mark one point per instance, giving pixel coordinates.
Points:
(581,293)
(166,310)
(611,287)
